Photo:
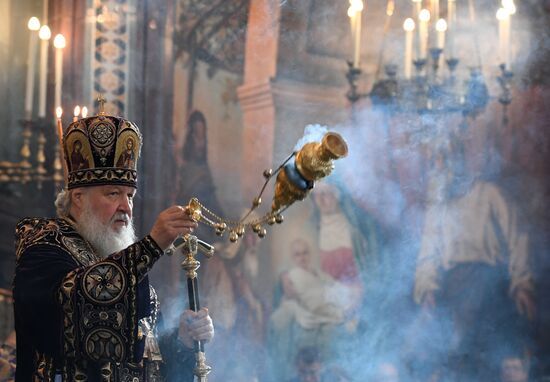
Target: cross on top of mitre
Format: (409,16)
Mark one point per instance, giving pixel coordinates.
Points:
(101,101)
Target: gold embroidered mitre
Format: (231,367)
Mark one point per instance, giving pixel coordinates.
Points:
(102,150)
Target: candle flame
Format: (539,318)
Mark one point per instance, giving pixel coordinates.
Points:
(76,111)
(84,111)
(356,6)
(59,112)
(424,15)
(503,14)
(45,32)
(390,7)
(408,25)
(33,24)
(441,25)
(509,6)
(59,41)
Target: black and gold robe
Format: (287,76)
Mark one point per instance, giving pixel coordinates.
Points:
(78,317)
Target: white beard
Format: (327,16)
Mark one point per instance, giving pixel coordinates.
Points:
(103,238)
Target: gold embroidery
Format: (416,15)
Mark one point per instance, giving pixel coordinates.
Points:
(98,300)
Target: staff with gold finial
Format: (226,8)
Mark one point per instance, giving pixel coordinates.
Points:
(190,245)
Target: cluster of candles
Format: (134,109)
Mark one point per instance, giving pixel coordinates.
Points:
(78,112)
(432,31)
(42,32)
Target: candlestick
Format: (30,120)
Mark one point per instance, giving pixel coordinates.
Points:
(424,18)
(45,34)
(408,26)
(59,44)
(33,25)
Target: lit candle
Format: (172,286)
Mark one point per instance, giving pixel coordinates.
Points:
(355,12)
(503,17)
(408,26)
(511,8)
(441,27)
(351,15)
(357,54)
(59,44)
(451,25)
(76,112)
(84,112)
(424,17)
(418,8)
(59,113)
(33,25)
(45,34)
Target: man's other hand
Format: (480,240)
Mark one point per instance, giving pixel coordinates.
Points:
(195,326)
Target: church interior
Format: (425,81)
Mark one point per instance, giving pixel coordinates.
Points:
(423,256)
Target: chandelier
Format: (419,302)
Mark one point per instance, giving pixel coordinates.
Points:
(429,46)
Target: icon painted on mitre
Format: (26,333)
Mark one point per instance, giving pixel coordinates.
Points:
(78,160)
(127,158)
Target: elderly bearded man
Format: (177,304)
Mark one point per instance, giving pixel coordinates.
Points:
(84,308)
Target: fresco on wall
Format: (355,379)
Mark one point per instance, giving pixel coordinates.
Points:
(424,258)
(408,257)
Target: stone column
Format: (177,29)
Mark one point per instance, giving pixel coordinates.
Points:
(255,94)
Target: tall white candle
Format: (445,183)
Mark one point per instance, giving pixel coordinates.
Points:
(351,14)
(45,34)
(59,44)
(408,26)
(451,26)
(507,60)
(511,8)
(503,17)
(357,50)
(424,19)
(354,13)
(59,113)
(33,25)
(441,27)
